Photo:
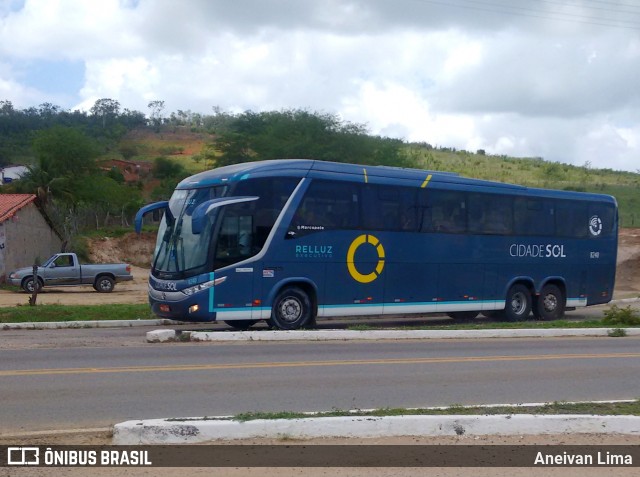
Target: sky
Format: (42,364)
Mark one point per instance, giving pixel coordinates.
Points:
(557,79)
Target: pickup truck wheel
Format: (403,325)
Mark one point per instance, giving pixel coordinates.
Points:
(104,284)
(27,284)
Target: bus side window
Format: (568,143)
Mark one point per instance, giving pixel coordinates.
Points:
(443,211)
(426,219)
(391,208)
(490,214)
(326,206)
(273,194)
(533,216)
(602,218)
(236,239)
(572,219)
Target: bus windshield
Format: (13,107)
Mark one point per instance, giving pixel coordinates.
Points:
(178,249)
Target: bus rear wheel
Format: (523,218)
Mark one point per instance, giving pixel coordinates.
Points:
(550,304)
(518,303)
(291,309)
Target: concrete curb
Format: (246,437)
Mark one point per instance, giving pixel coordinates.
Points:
(163,336)
(191,431)
(54,325)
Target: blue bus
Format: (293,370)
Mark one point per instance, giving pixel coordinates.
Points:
(290,240)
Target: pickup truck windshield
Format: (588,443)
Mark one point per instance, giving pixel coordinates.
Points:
(178,249)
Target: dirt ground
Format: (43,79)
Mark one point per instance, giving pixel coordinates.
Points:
(628,270)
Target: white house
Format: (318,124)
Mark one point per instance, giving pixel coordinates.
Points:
(11,173)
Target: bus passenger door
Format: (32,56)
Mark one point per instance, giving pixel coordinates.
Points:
(234,298)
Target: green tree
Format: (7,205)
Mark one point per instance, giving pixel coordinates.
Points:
(553,171)
(105,110)
(299,134)
(64,152)
(164,168)
(155,116)
(6,108)
(106,198)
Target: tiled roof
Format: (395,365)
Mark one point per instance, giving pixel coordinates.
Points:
(11,203)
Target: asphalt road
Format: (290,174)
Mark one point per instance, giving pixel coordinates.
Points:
(112,375)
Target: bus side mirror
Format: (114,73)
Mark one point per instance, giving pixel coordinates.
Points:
(199,215)
(150,208)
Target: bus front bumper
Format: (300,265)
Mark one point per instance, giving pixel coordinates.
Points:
(180,307)
(181,311)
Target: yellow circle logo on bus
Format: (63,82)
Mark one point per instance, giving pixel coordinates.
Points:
(353,271)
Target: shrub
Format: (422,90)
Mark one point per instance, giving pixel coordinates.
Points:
(617,333)
(621,316)
(164,168)
(80,246)
(128,151)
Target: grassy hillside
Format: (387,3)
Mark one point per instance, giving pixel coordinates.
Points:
(535,172)
(178,144)
(189,149)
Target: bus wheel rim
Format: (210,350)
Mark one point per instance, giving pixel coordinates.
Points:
(290,309)
(518,303)
(550,302)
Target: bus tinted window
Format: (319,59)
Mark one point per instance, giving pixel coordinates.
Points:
(245,227)
(273,194)
(389,208)
(443,211)
(602,219)
(533,216)
(490,214)
(571,219)
(326,205)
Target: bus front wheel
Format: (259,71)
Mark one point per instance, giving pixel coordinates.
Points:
(550,304)
(518,303)
(291,309)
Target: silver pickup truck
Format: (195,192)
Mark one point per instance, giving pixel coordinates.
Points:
(64,269)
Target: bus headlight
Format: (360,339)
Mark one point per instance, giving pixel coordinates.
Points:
(198,288)
(203,286)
